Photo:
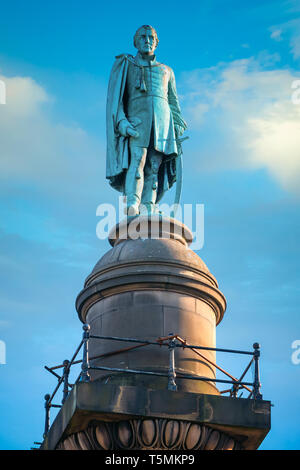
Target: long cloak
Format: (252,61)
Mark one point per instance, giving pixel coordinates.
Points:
(118,153)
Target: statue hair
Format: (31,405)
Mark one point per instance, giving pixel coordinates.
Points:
(145,26)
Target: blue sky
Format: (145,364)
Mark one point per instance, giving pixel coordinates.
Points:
(235,63)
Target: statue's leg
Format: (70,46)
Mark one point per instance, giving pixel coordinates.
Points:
(135,179)
(149,194)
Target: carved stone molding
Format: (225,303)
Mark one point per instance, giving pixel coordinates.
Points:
(148,434)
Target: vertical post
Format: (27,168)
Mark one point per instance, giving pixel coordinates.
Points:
(47,415)
(234,391)
(66,372)
(85,376)
(172,374)
(256,386)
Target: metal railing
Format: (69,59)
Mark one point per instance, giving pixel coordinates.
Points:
(171,342)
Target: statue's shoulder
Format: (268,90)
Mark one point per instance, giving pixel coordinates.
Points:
(170,69)
(119,64)
(167,67)
(122,57)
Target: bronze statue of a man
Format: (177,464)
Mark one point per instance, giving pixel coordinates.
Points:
(144,124)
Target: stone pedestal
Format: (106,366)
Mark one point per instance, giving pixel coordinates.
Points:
(150,285)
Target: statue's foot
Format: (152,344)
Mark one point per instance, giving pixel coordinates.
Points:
(132,210)
(144,209)
(149,208)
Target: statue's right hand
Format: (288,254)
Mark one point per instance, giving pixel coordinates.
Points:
(126,129)
(132,132)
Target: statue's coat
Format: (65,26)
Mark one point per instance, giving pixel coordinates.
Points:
(118,154)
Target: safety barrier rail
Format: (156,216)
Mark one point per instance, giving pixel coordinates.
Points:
(171,342)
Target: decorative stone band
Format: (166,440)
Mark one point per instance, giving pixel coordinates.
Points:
(162,434)
(132,277)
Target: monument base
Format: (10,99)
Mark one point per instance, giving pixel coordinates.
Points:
(150,286)
(104,417)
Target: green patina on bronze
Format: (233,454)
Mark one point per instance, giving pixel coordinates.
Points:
(144,124)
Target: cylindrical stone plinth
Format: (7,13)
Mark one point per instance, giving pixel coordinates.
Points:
(150,285)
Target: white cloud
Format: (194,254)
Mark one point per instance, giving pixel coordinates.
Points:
(52,174)
(277,144)
(277,34)
(295,43)
(38,149)
(24,97)
(291,31)
(254,122)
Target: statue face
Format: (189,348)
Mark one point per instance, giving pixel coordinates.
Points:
(146,42)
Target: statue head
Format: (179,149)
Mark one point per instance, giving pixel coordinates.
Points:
(146,40)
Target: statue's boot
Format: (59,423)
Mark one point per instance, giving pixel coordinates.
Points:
(134,181)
